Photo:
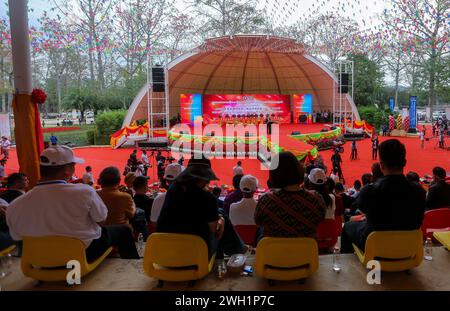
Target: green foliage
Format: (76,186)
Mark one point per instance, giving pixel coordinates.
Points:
(368,78)
(109,122)
(374,116)
(78,138)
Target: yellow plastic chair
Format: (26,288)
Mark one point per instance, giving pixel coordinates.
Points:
(7,250)
(395,250)
(176,257)
(444,238)
(45,258)
(286,259)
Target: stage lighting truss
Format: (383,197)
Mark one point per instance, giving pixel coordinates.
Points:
(157,102)
(340,108)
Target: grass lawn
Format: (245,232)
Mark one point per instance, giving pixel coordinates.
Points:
(78,137)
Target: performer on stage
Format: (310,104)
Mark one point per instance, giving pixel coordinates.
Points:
(354,154)
(336,160)
(269,123)
(375,144)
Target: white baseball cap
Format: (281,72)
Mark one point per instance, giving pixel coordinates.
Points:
(248,183)
(58,155)
(317,176)
(172,171)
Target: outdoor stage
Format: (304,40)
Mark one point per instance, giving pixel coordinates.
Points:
(418,160)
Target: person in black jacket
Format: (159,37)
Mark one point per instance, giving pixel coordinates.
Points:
(16,184)
(391,203)
(439,192)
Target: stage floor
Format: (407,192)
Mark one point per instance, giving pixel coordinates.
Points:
(418,160)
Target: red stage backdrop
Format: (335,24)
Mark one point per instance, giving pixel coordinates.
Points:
(216,107)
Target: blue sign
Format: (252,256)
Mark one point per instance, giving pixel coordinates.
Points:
(391,103)
(412,111)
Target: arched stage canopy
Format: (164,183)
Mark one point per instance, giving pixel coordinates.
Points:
(247,64)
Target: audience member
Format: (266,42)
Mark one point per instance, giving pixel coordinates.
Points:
(234,196)
(56,207)
(171,172)
(190,208)
(376,172)
(413,177)
(237,169)
(354,192)
(243,212)
(140,198)
(392,203)
(88,178)
(120,205)
(16,183)
(128,180)
(2,168)
(289,210)
(317,182)
(217,191)
(439,192)
(366,179)
(5,237)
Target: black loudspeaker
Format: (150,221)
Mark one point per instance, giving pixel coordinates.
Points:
(296,133)
(159,84)
(343,83)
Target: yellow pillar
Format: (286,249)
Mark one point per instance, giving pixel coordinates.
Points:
(24,110)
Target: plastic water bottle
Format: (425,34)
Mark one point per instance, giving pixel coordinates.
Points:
(221,269)
(428,249)
(336,259)
(140,244)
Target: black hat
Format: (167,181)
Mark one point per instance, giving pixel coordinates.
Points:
(198,168)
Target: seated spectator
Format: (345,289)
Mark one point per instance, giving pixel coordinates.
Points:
(2,168)
(120,205)
(354,192)
(376,172)
(237,169)
(289,210)
(56,207)
(366,179)
(88,178)
(413,177)
(234,196)
(317,182)
(128,180)
(243,212)
(189,208)
(439,192)
(141,199)
(171,172)
(216,191)
(16,183)
(392,203)
(5,237)
(339,201)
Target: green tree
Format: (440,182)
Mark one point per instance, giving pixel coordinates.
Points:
(81,99)
(109,122)
(368,81)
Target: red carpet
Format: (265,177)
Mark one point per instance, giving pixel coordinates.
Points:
(420,161)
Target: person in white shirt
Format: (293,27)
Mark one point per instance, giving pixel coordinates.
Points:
(316,182)
(238,170)
(55,207)
(243,212)
(88,178)
(2,168)
(171,172)
(5,145)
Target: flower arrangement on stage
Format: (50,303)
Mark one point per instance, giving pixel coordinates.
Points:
(38,96)
(406,123)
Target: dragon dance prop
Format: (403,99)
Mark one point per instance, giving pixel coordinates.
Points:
(406,123)
(315,139)
(399,122)
(391,123)
(248,141)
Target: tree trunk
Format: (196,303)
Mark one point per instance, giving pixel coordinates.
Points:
(91,62)
(397,77)
(432,82)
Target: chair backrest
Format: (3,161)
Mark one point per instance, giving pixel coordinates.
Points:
(392,246)
(247,233)
(327,235)
(287,253)
(436,219)
(172,250)
(52,251)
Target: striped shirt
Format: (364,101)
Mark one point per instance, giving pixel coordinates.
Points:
(290,214)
